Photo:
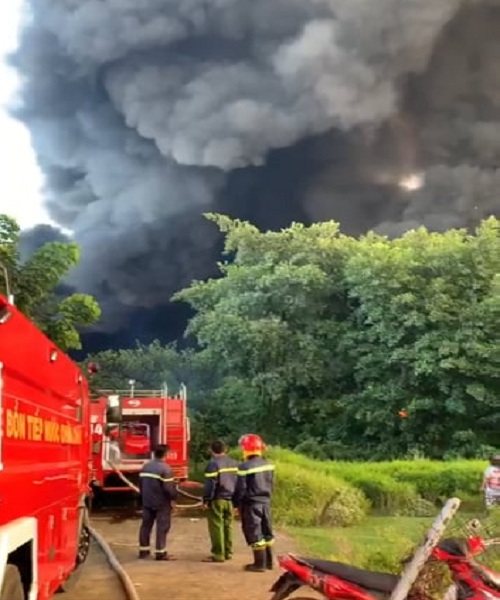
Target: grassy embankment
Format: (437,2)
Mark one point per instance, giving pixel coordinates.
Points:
(377,543)
(372,514)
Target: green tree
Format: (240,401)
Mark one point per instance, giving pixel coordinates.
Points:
(326,337)
(34,285)
(153,366)
(268,322)
(428,340)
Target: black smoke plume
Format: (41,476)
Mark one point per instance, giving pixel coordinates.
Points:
(146,113)
(36,237)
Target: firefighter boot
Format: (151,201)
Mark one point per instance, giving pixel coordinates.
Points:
(143,554)
(269,558)
(259,561)
(164,556)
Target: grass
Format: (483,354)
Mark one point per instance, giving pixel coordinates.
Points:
(399,488)
(385,508)
(378,543)
(310,492)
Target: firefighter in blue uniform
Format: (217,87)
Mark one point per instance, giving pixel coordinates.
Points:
(220,483)
(159,492)
(252,498)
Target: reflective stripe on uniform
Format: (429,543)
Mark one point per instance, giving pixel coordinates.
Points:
(227,470)
(160,551)
(263,469)
(259,545)
(159,477)
(144,548)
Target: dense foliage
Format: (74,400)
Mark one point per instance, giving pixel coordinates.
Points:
(153,367)
(343,348)
(34,284)
(325,339)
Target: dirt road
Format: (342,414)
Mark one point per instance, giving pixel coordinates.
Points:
(96,581)
(188,578)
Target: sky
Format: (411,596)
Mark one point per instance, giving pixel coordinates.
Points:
(20,178)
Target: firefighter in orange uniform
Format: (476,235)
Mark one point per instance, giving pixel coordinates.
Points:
(252,498)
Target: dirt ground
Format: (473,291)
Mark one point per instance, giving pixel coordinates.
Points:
(188,578)
(97,581)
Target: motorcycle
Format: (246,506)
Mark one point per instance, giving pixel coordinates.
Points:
(340,581)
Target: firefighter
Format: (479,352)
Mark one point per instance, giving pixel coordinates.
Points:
(114,452)
(253,494)
(220,484)
(158,493)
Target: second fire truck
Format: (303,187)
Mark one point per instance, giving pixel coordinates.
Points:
(120,449)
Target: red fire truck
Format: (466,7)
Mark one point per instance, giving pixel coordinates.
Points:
(120,449)
(44,462)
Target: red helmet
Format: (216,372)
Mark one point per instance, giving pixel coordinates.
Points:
(251,444)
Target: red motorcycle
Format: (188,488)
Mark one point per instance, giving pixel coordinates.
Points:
(339,581)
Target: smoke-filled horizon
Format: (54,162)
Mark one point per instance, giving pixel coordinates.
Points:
(146,113)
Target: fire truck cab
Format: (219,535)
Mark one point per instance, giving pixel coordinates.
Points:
(44,462)
(122,447)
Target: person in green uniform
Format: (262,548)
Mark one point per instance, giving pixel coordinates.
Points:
(221,474)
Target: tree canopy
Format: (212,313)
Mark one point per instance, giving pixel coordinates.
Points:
(317,336)
(153,367)
(35,282)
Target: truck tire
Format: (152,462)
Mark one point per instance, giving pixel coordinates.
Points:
(83,550)
(12,586)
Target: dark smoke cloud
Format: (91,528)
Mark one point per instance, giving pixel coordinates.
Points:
(34,238)
(145,113)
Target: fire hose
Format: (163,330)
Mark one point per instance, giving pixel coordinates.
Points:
(123,576)
(198,502)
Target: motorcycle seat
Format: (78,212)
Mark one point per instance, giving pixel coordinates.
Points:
(369,580)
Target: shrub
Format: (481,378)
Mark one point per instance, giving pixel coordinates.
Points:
(403,488)
(434,480)
(312,449)
(386,495)
(304,498)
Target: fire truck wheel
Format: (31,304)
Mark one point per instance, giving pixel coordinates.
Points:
(84,545)
(12,586)
(83,550)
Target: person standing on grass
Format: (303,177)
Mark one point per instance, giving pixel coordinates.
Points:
(220,482)
(491,482)
(158,492)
